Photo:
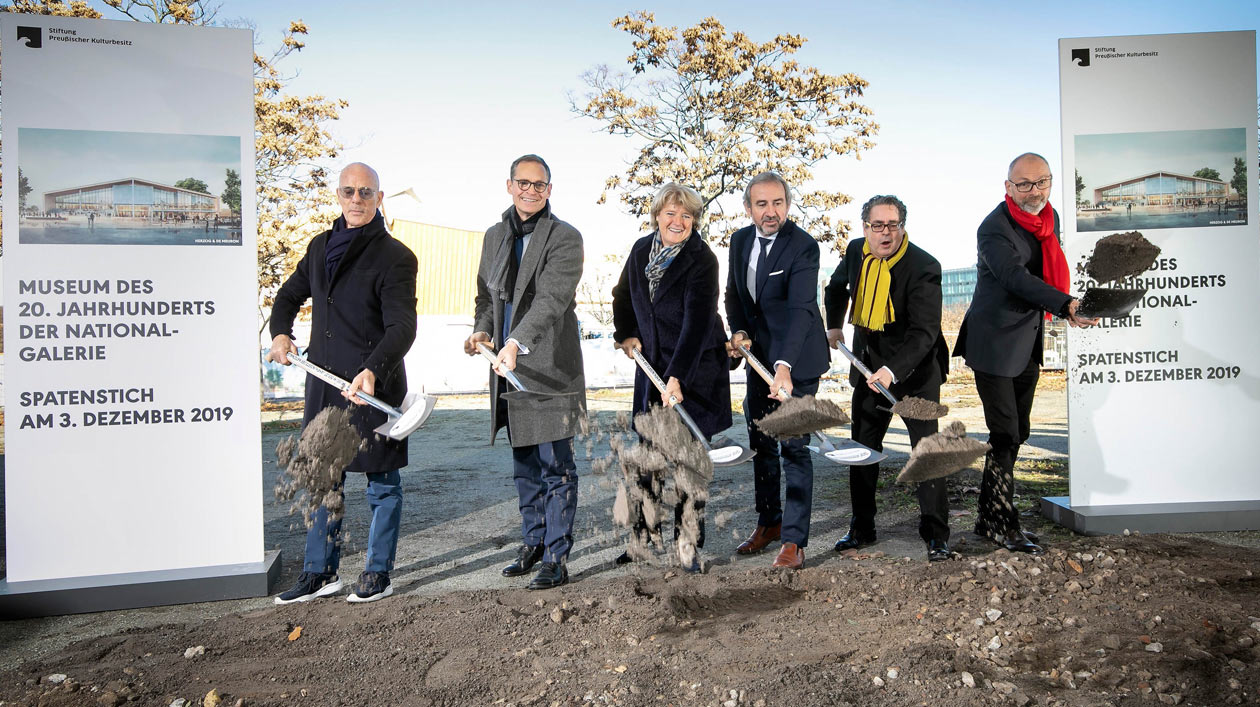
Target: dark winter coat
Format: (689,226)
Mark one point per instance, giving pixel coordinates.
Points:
(544,321)
(784,323)
(680,332)
(912,346)
(363,318)
(1003,328)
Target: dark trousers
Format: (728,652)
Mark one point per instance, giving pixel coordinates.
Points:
(869,427)
(1007,408)
(323,538)
(652,492)
(547,488)
(796,465)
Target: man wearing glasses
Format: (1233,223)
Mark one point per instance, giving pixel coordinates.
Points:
(527,281)
(362,287)
(891,289)
(1022,279)
(772,307)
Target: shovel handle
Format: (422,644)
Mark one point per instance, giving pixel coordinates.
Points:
(660,385)
(857,363)
(494,362)
(341,384)
(761,370)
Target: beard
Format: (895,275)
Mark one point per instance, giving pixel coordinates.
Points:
(1033,204)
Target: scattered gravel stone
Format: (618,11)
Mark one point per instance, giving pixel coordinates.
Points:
(879,682)
(994,643)
(968,679)
(195,651)
(56,678)
(993,615)
(1155,647)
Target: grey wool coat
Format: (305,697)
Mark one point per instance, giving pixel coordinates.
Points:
(544,321)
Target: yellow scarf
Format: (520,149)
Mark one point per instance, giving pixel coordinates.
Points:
(872,307)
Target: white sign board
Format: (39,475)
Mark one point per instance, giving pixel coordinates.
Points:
(1160,133)
(130,298)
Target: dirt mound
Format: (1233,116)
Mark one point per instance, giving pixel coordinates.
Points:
(946,452)
(313,464)
(1120,256)
(801,416)
(1108,302)
(914,408)
(1141,620)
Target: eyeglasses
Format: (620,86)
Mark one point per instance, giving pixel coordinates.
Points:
(365,193)
(893,226)
(525,184)
(1025,187)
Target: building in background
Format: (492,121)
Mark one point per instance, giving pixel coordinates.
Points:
(957,288)
(135,198)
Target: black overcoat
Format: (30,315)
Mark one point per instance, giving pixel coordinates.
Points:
(1003,327)
(680,331)
(363,318)
(912,347)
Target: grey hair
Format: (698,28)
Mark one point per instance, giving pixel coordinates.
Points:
(884,200)
(675,193)
(762,179)
(1016,161)
(529,158)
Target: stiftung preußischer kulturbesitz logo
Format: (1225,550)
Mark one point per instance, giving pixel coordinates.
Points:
(1080,57)
(34,36)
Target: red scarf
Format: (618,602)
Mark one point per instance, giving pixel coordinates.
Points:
(1054,267)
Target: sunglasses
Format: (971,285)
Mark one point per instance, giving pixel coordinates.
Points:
(365,193)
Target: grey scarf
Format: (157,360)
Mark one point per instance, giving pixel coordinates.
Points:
(659,258)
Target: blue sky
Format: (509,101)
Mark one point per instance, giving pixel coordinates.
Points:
(444,95)
(1107,159)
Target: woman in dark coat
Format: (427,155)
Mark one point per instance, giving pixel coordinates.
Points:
(666,305)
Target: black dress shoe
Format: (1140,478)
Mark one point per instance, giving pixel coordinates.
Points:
(1019,542)
(938,551)
(852,541)
(624,558)
(550,575)
(526,557)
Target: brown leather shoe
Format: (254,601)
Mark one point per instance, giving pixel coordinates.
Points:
(790,557)
(760,538)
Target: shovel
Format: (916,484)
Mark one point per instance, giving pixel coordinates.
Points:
(902,408)
(728,455)
(494,361)
(521,393)
(847,452)
(400,422)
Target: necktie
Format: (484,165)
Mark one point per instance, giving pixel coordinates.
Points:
(518,249)
(762,268)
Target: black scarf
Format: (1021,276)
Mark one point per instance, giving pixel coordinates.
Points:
(520,229)
(339,241)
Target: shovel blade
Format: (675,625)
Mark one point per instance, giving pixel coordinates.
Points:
(414,411)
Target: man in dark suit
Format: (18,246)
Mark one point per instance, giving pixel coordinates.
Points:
(772,305)
(1022,279)
(362,287)
(895,290)
(527,281)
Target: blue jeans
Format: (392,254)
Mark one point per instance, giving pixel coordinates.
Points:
(323,540)
(547,487)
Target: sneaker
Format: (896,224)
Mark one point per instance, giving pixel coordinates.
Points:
(371,587)
(310,585)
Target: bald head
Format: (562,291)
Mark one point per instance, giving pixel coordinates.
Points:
(1028,159)
(359,193)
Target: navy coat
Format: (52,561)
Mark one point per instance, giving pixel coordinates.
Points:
(680,331)
(1003,327)
(784,323)
(912,346)
(363,318)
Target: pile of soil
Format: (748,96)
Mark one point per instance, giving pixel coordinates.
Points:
(801,416)
(946,452)
(1141,620)
(913,408)
(313,464)
(1120,256)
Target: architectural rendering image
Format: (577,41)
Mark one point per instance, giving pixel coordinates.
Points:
(1171,179)
(138,188)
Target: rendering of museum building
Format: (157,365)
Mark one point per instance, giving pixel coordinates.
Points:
(135,198)
(1163,189)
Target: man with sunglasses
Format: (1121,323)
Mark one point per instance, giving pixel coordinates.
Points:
(526,304)
(362,287)
(1022,279)
(891,289)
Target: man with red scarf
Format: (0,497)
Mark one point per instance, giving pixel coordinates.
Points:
(1022,279)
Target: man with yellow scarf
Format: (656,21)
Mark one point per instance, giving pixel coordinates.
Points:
(891,290)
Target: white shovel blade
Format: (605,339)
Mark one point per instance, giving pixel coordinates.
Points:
(413,415)
(725,455)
